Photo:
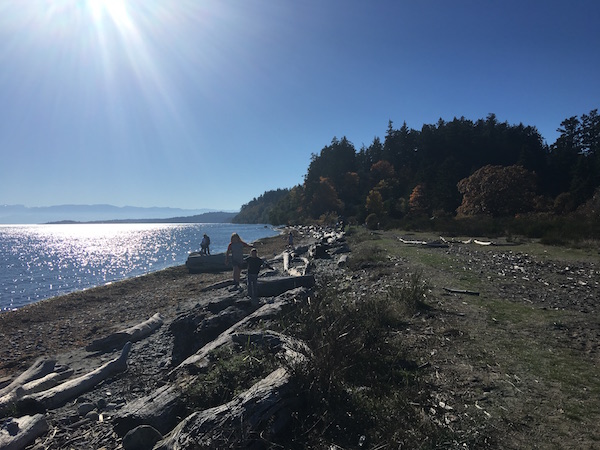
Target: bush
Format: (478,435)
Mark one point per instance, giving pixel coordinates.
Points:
(372,222)
(361,381)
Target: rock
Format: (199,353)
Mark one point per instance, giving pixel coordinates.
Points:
(85,408)
(141,438)
(92,416)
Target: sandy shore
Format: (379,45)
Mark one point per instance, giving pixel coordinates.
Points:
(72,321)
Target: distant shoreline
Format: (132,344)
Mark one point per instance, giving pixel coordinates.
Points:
(211,217)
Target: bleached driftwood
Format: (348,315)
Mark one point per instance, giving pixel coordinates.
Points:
(59,395)
(294,271)
(40,368)
(23,384)
(132,334)
(18,433)
(436,244)
(460,291)
(50,380)
(46,382)
(262,410)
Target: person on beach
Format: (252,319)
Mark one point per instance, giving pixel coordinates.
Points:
(236,249)
(290,243)
(205,245)
(254,264)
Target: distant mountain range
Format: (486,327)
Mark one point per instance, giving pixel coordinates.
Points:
(19,214)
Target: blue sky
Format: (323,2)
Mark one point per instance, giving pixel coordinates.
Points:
(209,103)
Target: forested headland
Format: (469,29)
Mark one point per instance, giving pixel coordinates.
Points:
(447,174)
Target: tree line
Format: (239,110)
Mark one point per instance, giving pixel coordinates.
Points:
(458,168)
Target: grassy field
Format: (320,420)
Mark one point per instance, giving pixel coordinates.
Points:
(518,363)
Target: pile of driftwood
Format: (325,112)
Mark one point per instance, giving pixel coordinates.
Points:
(160,420)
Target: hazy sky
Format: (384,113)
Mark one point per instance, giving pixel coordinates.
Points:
(209,103)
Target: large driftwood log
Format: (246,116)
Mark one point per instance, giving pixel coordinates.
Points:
(59,395)
(18,433)
(199,358)
(162,409)
(292,350)
(256,414)
(197,263)
(132,334)
(275,286)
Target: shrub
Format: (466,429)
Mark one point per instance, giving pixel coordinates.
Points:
(361,381)
(372,221)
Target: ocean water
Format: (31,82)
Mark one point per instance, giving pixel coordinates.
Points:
(42,261)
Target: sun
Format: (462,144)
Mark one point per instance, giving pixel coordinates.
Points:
(115,10)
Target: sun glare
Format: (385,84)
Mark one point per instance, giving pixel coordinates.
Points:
(116,10)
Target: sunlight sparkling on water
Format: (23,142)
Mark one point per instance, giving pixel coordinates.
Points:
(40,261)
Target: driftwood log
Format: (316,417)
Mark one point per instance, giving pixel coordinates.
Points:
(292,350)
(433,244)
(275,286)
(162,409)
(18,433)
(133,334)
(49,381)
(37,377)
(165,406)
(460,291)
(41,384)
(40,368)
(252,416)
(288,258)
(59,395)
(198,360)
(197,263)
